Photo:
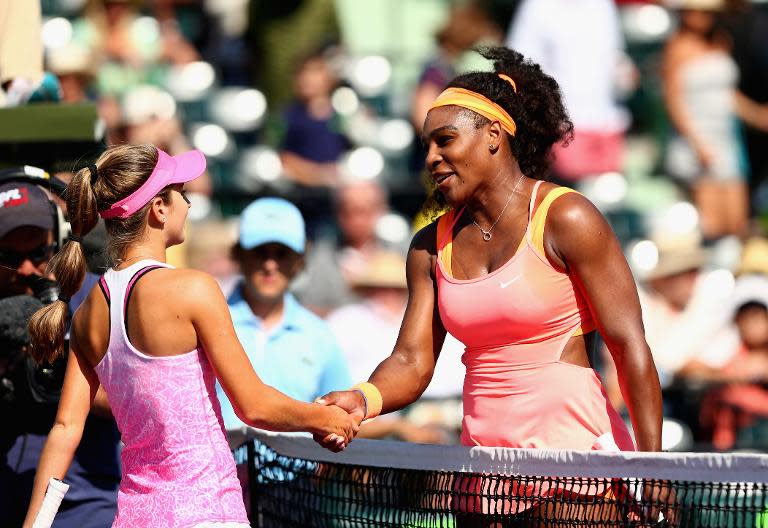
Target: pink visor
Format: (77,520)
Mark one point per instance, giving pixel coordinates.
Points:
(168,171)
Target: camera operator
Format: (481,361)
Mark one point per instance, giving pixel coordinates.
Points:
(29,234)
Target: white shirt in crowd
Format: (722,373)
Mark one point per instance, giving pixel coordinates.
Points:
(579,43)
(702,331)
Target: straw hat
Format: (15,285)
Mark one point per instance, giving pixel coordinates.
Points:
(385,269)
(697,5)
(754,257)
(676,255)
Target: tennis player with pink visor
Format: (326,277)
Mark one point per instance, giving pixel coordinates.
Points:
(169,170)
(156,339)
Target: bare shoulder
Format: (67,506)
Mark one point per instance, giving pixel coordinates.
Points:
(573,222)
(90,326)
(93,309)
(180,287)
(188,284)
(679,49)
(425,239)
(422,254)
(573,208)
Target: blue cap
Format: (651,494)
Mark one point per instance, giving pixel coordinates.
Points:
(272,220)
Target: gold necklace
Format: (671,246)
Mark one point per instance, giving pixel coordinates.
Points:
(487,234)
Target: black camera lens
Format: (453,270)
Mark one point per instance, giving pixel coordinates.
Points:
(44,289)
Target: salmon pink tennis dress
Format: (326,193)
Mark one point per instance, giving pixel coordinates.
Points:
(515,323)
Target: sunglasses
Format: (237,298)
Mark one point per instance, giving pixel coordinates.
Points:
(184,196)
(38,255)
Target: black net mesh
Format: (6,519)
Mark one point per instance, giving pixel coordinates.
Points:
(288,491)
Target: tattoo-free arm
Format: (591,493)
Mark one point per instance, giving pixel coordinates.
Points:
(79,390)
(582,238)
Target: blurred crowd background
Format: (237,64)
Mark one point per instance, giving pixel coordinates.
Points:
(321,102)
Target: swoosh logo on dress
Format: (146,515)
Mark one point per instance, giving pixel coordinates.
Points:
(510,281)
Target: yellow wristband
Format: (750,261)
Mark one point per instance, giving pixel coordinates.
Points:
(372,397)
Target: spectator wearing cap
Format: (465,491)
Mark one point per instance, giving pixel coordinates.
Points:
(684,323)
(26,236)
(734,412)
(754,257)
(75,67)
(290,348)
(681,301)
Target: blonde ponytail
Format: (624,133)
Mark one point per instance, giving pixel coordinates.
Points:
(49,324)
(118,172)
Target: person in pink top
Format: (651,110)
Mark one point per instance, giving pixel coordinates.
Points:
(524,273)
(156,339)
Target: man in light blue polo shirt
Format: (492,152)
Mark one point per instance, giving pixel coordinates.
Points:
(290,348)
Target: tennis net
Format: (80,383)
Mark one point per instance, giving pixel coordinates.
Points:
(294,482)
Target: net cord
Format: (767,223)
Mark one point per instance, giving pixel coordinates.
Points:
(693,467)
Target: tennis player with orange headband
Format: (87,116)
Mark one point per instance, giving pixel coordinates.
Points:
(524,273)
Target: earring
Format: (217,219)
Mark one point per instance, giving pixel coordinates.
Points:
(163,219)
(492,148)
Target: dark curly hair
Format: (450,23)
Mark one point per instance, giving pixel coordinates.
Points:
(536,107)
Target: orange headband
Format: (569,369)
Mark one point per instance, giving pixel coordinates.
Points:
(478,103)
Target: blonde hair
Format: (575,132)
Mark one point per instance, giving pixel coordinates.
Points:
(121,169)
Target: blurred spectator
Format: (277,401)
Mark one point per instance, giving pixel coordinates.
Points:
(747,25)
(741,402)
(111,24)
(21,50)
(290,348)
(579,43)
(111,114)
(312,141)
(116,34)
(680,310)
(76,69)
(130,49)
(176,49)
(147,117)
(754,257)
(682,314)
(367,332)
(29,393)
(466,26)
(209,249)
(383,294)
(700,80)
(333,263)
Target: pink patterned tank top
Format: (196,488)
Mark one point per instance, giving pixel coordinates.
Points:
(178,470)
(515,323)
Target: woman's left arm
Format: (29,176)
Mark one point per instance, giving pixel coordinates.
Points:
(580,237)
(79,390)
(751,112)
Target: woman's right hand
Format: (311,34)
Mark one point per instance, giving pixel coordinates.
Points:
(351,402)
(336,425)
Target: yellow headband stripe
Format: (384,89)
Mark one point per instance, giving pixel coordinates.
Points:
(509,80)
(477,103)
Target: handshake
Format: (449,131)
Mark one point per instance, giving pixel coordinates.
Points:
(351,408)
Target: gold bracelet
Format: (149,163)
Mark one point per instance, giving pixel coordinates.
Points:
(372,397)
